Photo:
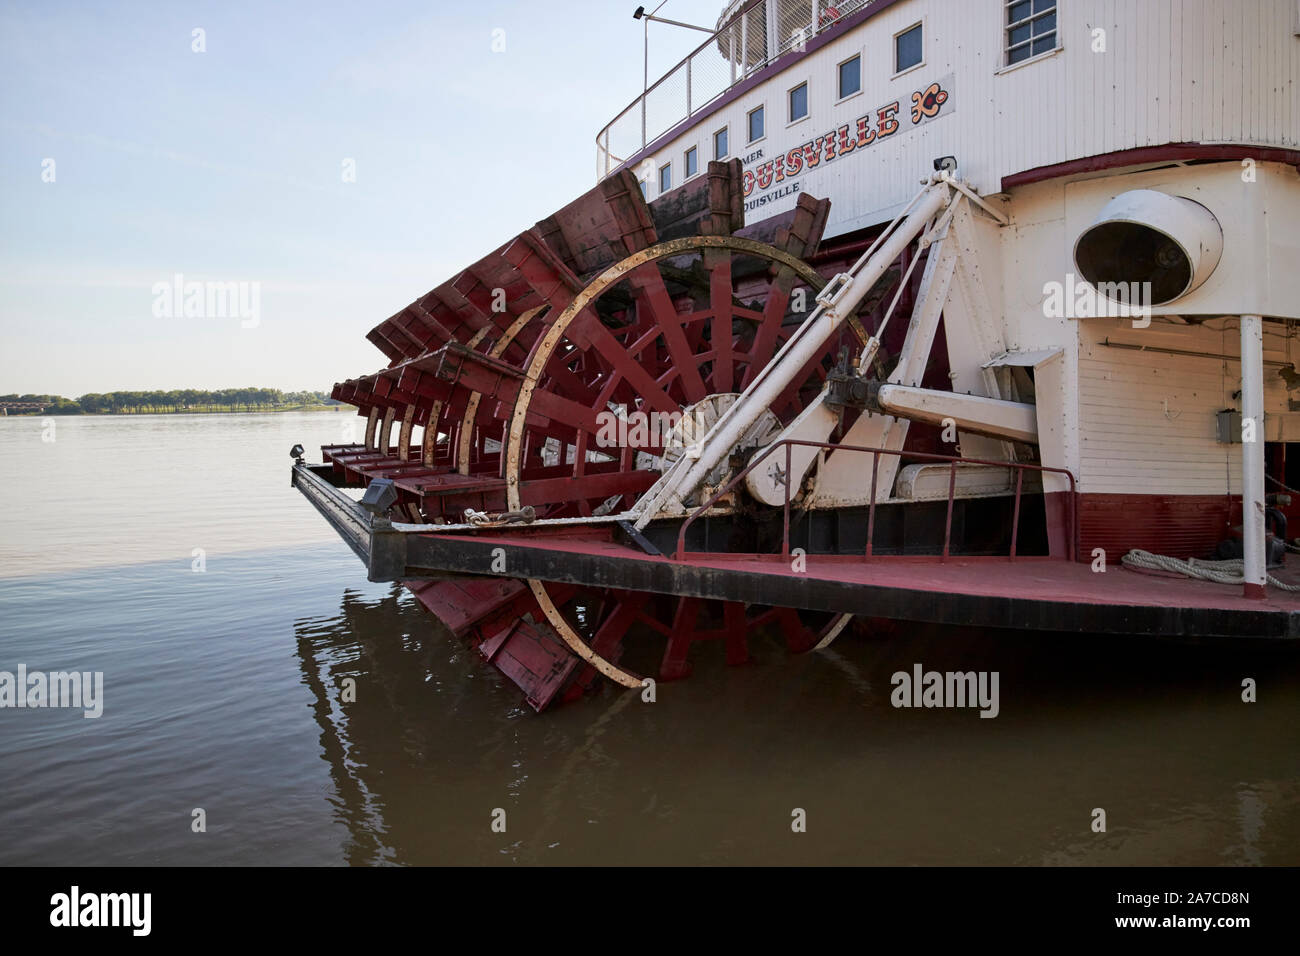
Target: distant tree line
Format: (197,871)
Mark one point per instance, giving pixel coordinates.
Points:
(175,400)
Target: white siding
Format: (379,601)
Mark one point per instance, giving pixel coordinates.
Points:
(1172,71)
(1147,419)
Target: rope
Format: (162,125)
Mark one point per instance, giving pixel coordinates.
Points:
(482,519)
(1231,571)
(1280,485)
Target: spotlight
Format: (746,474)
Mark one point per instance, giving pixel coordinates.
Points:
(296,453)
(640,12)
(379,497)
(945,164)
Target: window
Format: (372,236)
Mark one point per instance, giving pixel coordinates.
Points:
(666,178)
(756,124)
(692,162)
(645,189)
(799,102)
(1031,28)
(908,50)
(720,144)
(850,77)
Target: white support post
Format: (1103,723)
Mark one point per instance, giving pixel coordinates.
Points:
(771,14)
(744,44)
(1252,454)
(689,111)
(645,78)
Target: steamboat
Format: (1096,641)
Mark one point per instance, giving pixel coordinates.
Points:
(973,313)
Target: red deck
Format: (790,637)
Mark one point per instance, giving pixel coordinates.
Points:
(1042,579)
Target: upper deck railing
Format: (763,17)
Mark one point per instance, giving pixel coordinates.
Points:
(756,34)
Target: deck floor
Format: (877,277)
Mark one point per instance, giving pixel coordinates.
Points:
(1040,579)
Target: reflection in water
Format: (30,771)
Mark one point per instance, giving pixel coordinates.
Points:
(222,691)
(710,773)
(1250,812)
(352,799)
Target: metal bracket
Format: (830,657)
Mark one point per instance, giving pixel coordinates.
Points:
(640,540)
(828,298)
(387,558)
(845,388)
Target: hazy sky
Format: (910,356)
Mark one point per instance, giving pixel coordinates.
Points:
(227,166)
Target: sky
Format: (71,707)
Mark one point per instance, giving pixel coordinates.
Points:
(128,158)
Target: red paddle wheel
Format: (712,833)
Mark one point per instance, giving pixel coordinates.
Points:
(561,374)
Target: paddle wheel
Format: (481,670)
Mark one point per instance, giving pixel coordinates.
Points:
(558,378)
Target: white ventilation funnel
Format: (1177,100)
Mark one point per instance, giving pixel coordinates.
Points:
(1147,236)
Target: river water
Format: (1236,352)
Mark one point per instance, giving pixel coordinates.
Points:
(170,554)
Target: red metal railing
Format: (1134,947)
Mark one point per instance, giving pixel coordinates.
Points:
(953,462)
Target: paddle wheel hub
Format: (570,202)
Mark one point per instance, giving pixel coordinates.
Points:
(684,437)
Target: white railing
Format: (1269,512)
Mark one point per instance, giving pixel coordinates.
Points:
(760,32)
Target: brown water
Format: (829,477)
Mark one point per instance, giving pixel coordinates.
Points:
(222,693)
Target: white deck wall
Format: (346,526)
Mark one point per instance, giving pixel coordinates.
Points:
(1131,422)
(1172,71)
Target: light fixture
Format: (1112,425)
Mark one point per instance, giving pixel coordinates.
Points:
(640,14)
(645,18)
(379,497)
(946,164)
(296,453)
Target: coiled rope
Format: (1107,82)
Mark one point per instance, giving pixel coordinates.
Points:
(1231,571)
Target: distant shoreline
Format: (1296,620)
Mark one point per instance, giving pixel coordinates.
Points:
(175,401)
(204,410)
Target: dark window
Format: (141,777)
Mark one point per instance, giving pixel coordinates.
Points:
(799,102)
(850,76)
(756,124)
(720,144)
(692,162)
(666,178)
(1031,28)
(645,190)
(907,49)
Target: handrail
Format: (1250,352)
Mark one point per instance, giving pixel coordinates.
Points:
(821,15)
(713,37)
(953,460)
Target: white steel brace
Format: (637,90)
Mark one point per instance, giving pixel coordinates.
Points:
(836,302)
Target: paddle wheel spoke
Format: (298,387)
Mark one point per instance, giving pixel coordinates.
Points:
(718,264)
(652,293)
(768,332)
